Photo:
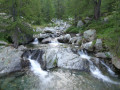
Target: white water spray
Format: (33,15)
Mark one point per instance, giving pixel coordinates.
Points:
(109,70)
(37,70)
(35,41)
(94,70)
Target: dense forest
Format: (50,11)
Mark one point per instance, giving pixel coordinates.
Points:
(104,15)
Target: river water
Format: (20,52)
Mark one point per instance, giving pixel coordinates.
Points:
(57,79)
(61,79)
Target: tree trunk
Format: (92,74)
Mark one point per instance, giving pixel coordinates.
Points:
(14,10)
(15,36)
(97,9)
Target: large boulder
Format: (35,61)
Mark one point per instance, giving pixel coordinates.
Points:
(116,62)
(10,59)
(80,23)
(3,43)
(65,58)
(64,39)
(90,35)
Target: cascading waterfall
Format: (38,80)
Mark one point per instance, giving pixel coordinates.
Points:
(35,41)
(108,69)
(95,70)
(37,70)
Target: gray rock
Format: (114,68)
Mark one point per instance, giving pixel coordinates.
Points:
(88,46)
(67,59)
(49,30)
(64,39)
(98,45)
(46,41)
(116,62)
(80,24)
(38,29)
(43,36)
(3,14)
(61,39)
(67,36)
(103,55)
(90,35)
(21,47)
(10,60)
(3,43)
(35,55)
(95,60)
(64,58)
(73,40)
(79,41)
(87,19)
(106,19)
(78,35)
(50,56)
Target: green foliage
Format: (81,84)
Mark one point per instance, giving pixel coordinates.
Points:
(40,12)
(109,32)
(93,43)
(73,29)
(13,25)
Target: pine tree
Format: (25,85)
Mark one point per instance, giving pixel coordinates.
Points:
(16,27)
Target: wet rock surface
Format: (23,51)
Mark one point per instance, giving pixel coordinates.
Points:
(10,59)
(58,57)
(33,55)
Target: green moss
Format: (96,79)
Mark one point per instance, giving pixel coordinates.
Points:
(93,43)
(55,62)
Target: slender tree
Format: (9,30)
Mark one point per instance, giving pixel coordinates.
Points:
(97,4)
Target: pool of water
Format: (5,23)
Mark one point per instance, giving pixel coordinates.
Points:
(57,79)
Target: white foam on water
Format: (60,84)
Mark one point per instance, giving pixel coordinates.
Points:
(37,70)
(98,74)
(35,41)
(95,70)
(108,69)
(54,43)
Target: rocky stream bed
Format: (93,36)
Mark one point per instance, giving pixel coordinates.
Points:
(59,61)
